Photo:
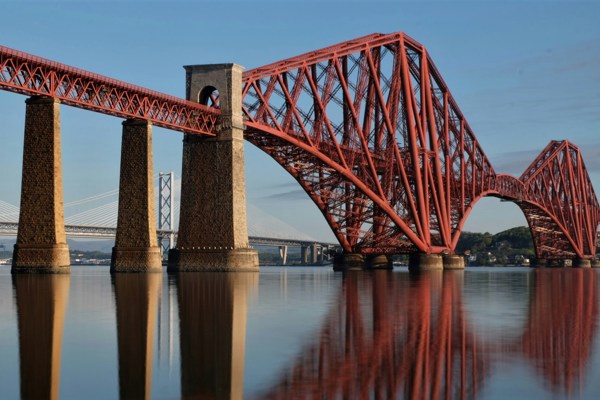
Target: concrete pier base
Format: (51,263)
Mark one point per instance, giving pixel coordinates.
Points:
(136,246)
(41,245)
(217,260)
(453,261)
(582,263)
(213,231)
(425,262)
(378,261)
(595,263)
(348,261)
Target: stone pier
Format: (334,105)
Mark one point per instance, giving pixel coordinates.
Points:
(213,231)
(136,246)
(453,261)
(425,262)
(348,261)
(379,261)
(41,241)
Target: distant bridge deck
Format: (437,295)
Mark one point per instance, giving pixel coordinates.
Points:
(107,232)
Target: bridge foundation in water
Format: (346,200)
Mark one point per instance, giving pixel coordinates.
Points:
(425,262)
(213,231)
(379,261)
(453,261)
(564,263)
(582,263)
(358,261)
(41,245)
(136,245)
(348,261)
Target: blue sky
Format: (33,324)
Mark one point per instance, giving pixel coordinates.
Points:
(522,72)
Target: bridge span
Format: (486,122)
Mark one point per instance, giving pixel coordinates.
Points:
(367,127)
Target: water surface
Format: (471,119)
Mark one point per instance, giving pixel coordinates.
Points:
(295,333)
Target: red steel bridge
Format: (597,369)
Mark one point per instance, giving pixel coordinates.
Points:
(371,132)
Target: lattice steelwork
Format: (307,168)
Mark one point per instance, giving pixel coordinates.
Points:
(30,75)
(373,135)
(561,209)
(166,209)
(371,132)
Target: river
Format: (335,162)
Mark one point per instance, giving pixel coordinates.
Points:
(300,332)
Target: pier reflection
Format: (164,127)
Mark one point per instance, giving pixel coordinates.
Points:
(390,336)
(41,306)
(136,298)
(387,334)
(212,325)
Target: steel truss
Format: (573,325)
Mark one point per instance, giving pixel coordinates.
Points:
(373,135)
(35,76)
(371,132)
(561,208)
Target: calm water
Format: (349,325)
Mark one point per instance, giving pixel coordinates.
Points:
(295,333)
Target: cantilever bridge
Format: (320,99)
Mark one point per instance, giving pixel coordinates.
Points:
(370,131)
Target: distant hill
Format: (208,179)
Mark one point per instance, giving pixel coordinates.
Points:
(511,246)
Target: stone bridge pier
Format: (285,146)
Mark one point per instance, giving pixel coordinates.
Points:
(213,231)
(41,240)
(136,245)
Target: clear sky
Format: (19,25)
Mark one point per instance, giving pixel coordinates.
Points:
(522,72)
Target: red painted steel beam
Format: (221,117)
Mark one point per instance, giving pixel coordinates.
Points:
(371,132)
(35,76)
(563,210)
(392,163)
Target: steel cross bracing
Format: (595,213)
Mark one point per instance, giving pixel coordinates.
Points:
(371,132)
(373,135)
(561,208)
(35,76)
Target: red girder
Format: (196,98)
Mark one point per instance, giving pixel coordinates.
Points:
(371,132)
(386,154)
(561,208)
(34,76)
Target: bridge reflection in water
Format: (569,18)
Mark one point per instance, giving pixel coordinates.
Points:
(388,334)
(41,307)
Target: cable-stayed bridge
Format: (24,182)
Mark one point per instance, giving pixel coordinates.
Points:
(96,217)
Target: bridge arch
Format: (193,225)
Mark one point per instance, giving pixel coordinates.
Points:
(371,132)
